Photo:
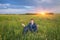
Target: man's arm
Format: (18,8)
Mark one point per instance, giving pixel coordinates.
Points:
(23,25)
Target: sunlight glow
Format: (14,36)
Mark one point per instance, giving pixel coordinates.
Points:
(43,13)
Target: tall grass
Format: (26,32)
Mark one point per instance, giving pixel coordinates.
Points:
(11,28)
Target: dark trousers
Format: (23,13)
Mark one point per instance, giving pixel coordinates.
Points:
(33,29)
(25,30)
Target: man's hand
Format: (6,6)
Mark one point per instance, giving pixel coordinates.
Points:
(23,25)
(37,25)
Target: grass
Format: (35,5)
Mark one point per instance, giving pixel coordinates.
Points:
(11,28)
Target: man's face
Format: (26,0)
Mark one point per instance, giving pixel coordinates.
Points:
(32,21)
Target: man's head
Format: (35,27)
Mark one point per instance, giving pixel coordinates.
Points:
(32,21)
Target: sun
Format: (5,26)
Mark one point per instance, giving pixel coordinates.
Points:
(42,13)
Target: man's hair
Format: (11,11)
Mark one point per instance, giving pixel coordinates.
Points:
(32,19)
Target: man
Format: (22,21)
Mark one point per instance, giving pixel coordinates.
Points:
(31,26)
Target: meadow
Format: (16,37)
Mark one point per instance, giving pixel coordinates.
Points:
(48,27)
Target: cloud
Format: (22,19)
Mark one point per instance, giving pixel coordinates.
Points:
(29,7)
(43,1)
(4,5)
(47,1)
(56,9)
(10,8)
(13,10)
(15,6)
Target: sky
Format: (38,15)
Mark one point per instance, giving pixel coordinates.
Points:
(29,6)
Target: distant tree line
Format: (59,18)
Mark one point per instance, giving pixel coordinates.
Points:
(29,14)
(49,13)
(38,13)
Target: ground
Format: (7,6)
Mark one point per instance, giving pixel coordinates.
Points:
(48,27)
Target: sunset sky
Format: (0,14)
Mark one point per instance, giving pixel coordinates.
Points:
(29,6)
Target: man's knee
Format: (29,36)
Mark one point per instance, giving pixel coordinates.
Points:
(25,30)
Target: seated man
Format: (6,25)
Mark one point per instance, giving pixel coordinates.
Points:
(31,26)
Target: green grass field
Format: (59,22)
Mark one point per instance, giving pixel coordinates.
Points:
(11,28)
